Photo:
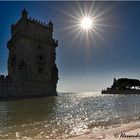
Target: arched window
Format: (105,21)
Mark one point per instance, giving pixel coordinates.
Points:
(22,65)
(13,61)
(39,46)
(40,70)
(40,57)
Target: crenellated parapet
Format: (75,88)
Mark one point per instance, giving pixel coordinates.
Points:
(3,77)
(28,27)
(24,19)
(38,22)
(5,81)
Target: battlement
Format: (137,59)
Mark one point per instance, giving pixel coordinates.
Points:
(35,21)
(3,77)
(24,18)
(5,81)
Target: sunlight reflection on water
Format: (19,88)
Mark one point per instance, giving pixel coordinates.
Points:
(67,115)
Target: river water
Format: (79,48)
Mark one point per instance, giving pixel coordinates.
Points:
(67,115)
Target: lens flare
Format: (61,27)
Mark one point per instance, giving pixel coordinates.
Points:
(88,23)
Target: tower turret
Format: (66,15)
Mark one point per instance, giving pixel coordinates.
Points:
(24,13)
(51,25)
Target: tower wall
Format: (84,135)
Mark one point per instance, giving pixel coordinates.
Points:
(31,61)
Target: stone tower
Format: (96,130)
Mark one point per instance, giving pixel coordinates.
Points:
(31,63)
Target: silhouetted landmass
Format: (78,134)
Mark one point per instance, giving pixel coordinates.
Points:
(124,86)
(125,83)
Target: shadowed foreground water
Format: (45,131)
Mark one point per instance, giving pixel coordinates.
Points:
(67,115)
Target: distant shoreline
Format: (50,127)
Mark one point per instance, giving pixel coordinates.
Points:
(121,91)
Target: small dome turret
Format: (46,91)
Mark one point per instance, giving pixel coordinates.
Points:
(51,25)
(24,13)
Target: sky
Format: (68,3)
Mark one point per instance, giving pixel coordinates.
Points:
(87,60)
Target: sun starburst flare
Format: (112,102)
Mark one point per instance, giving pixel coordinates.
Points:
(88,22)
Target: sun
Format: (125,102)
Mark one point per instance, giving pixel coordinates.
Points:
(86,23)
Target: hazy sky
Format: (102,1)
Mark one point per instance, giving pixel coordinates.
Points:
(90,60)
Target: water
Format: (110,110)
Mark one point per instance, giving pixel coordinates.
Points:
(67,115)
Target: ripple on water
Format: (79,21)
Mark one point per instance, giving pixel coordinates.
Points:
(66,115)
